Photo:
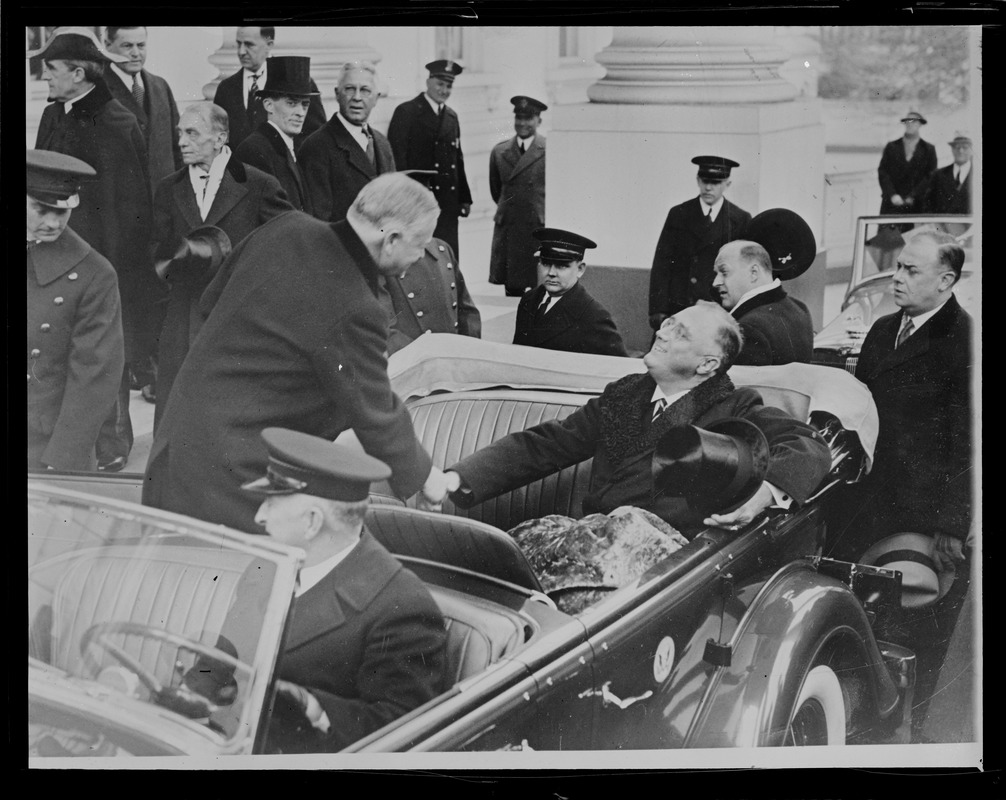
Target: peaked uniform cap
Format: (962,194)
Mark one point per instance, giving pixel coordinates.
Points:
(524,106)
(560,245)
(445,68)
(714,168)
(54,179)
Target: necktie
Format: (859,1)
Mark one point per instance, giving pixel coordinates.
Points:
(440,111)
(906,331)
(206,183)
(370,146)
(521,148)
(960,178)
(252,91)
(709,218)
(138,91)
(540,314)
(658,408)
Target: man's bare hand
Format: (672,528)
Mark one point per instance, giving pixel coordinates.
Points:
(306,701)
(436,488)
(465,209)
(742,516)
(897,200)
(948,551)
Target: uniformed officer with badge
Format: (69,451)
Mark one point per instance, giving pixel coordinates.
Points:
(425,134)
(75,343)
(693,234)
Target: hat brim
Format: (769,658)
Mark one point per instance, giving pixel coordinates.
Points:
(272,484)
(787,238)
(923,120)
(56,202)
(911,554)
(264,93)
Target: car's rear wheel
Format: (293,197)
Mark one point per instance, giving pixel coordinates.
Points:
(819,713)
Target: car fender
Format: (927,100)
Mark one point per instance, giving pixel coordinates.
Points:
(797,616)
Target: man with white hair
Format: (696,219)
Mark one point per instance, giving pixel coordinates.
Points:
(295,337)
(346,153)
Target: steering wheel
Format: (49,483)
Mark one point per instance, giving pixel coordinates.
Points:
(180,698)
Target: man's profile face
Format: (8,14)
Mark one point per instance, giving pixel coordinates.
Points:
(526,125)
(285,518)
(357,96)
(558,277)
(920,281)
(683,342)
(45,223)
(401,250)
(288,113)
(733,275)
(711,191)
(962,152)
(131,43)
(438,89)
(253,48)
(64,83)
(197,140)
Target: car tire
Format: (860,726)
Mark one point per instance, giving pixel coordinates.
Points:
(818,716)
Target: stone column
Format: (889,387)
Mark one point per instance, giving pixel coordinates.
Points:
(328,48)
(618,163)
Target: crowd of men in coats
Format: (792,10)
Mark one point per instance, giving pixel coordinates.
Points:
(208,201)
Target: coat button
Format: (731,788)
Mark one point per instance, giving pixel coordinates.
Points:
(695,280)
(440,247)
(419,313)
(411,295)
(58,300)
(35,353)
(45,327)
(436,165)
(455,324)
(450,266)
(452,188)
(452,285)
(72,276)
(454,305)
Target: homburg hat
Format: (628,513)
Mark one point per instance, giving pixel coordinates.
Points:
(914,115)
(524,106)
(445,69)
(199,253)
(289,76)
(714,168)
(787,238)
(303,464)
(911,554)
(75,44)
(960,137)
(54,179)
(716,469)
(560,245)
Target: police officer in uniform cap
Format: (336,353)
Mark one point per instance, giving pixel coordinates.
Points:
(366,639)
(425,134)
(75,342)
(560,314)
(693,233)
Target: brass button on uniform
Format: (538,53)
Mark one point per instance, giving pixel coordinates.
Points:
(72,276)
(35,353)
(45,327)
(454,305)
(419,313)
(455,324)
(695,280)
(441,247)
(452,284)
(58,300)
(411,295)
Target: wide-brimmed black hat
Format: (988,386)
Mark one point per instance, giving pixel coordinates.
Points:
(199,253)
(716,469)
(288,76)
(914,115)
(788,239)
(445,69)
(303,464)
(714,168)
(54,179)
(560,245)
(524,106)
(75,44)
(911,554)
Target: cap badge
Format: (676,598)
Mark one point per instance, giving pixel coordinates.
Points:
(785,258)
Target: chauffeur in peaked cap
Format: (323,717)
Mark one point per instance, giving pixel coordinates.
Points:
(75,345)
(366,640)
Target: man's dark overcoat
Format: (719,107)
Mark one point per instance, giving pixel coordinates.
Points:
(247,197)
(368,642)
(265,150)
(230,97)
(114,214)
(431,297)
(898,175)
(75,351)
(945,196)
(777,329)
(335,168)
(295,339)
(922,470)
(616,430)
(517,185)
(157,118)
(421,140)
(577,324)
(682,270)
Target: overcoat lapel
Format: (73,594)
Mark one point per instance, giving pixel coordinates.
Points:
(282,152)
(232,190)
(524,160)
(185,199)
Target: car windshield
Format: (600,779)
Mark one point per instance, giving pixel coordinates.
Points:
(138,614)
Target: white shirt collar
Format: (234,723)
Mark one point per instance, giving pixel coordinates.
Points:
(962,170)
(312,576)
(768,287)
(286,138)
(69,103)
(216,176)
(433,103)
(526,142)
(714,209)
(921,319)
(126,77)
(658,394)
(356,131)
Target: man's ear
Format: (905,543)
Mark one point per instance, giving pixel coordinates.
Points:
(580,269)
(709,365)
(315,521)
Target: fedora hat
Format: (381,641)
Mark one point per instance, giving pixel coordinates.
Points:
(787,238)
(201,252)
(960,137)
(289,76)
(75,44)
(914,115)
(716,469)
(911,554)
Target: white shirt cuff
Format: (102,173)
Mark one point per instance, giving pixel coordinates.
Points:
(779,498)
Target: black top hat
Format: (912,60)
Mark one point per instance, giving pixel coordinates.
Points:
(560,245)
(289,76)
(914,115)
(54,179)
(75,44)
(445,68)
(198,254)
(714,168)
(524,106)
(304,464)
(716,469)
(787,238)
